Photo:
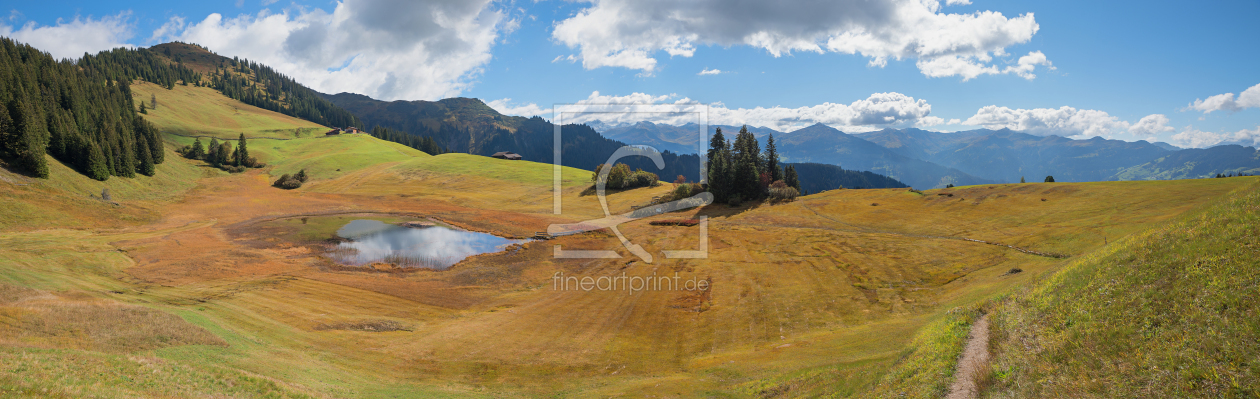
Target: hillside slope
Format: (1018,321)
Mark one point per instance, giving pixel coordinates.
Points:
(203,112)
(1196,163)
(1171,312)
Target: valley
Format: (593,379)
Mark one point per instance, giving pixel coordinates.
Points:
(198,282)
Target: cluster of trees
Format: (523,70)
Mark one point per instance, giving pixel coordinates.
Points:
(422,143)
(740,171)
(222,155)
(620,177)
(1231,174)
(1049,179)
(259,85)
(289,182)
(80,113)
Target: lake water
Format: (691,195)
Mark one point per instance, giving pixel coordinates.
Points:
(431,247)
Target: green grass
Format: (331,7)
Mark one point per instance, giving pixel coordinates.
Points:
(1170,312)
(70,199)
(323,157)
(520,172)
(202,111)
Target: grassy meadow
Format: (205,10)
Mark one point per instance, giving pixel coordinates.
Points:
(200,283)
(202,111)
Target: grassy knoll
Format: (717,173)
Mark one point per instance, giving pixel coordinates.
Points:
(70,199)
(202,111)
(1168,312)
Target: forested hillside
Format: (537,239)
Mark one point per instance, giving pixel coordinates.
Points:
(258,85)
(80,113)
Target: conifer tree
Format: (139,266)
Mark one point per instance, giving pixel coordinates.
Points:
(97,166)
(772,160)
(146,166)
(27,137)
(212,153)
(746,159)
(791,179)
(716,144)
(198,152)
(242,152)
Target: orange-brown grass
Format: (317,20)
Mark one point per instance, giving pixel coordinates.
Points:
(819,296)
(38,319)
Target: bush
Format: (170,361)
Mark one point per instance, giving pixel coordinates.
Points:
(734,201)
(780,191)
(288,182)
(234,169)
(642,178)
(620,177)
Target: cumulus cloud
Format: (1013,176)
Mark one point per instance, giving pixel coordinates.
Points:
(1066,121)
(74,38)
(631,33)
(1151,125)
(1194,138)
(707,71)
(386,49)
(1249,98)
(507,107)
(877,111)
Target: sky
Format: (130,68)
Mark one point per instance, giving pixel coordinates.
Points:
(1182,73)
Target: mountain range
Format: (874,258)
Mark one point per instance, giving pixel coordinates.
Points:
(927,159)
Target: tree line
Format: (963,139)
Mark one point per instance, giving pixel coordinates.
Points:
(81,113)
(422,143)
(222,155)
(259,85)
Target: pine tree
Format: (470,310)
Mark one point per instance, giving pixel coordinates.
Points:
(27,139)
(153,100)
(791,179)
(142,109)
(224,153)
(772,160)
(198,152)
(97,166)
(146,161)
(242,152)
(746,157)
(1021,179)
(212,153)
(716,144)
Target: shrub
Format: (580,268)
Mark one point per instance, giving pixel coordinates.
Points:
(734,201)
(288,182)
(779,191)
(1049,179)
(641,178)
(301,176)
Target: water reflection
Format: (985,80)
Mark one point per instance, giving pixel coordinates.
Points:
(432,247)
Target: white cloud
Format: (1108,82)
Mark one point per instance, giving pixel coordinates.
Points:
(1067,122)
(386,49)
(630,33)
(1194,138)
(506,107)
(1249,98)
(73,39)
(1151,125)
(707,71)
(875,112)
(957,2)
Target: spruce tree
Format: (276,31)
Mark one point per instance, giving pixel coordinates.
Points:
(212,153)
(27,139)
(242,152)
(746,159)
(146,166)
(97,165)
(198,152)
(772,160)
(791,179)
(224,153)
(716,144)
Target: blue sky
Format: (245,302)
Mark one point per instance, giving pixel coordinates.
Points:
(1126,70)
